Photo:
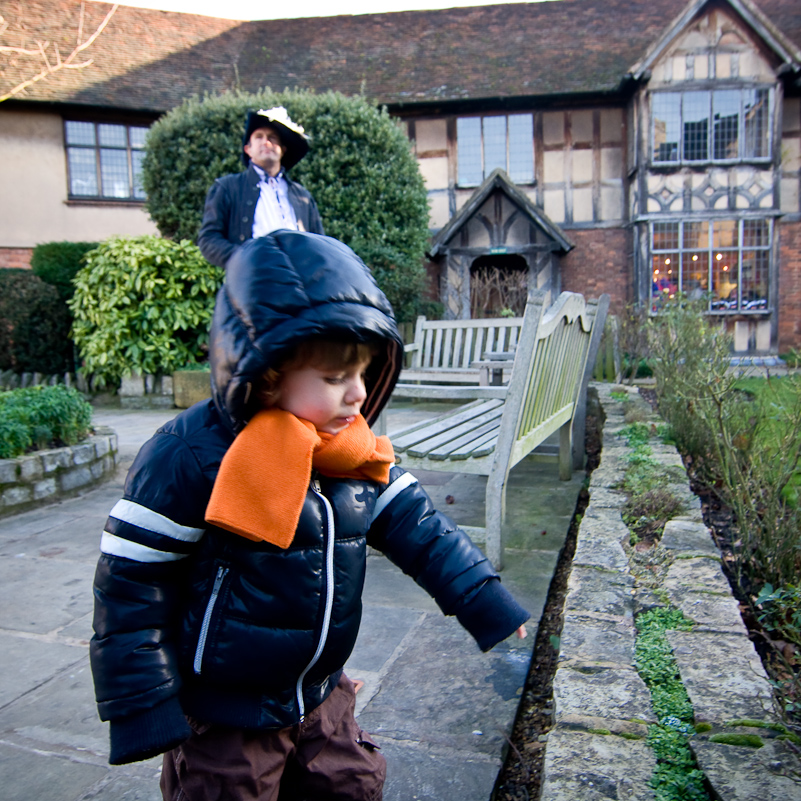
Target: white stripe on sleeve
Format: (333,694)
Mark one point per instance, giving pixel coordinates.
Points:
(117,546)
(138,515)
(391,492)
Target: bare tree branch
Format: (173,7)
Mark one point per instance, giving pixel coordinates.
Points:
(41,51)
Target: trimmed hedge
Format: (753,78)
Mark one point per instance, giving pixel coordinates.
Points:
(57,263)
(35,334)
(360,169)
(42,417)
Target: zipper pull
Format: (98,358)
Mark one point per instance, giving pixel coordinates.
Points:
(315,483)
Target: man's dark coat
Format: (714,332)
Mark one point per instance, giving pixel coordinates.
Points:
(230,207)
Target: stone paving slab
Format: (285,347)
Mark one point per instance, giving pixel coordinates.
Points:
(593,590)
(600,539)
(750,774)
(723,676)
(26,663)
(688,536)
(587,639)
(615,693)
(47,594)
(701,572)
(596,767)
(716,612)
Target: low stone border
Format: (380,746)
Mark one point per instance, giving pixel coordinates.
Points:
(47,476)
(597,748)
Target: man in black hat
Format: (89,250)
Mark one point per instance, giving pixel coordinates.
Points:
(263,198)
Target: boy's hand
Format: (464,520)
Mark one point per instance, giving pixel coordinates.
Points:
(521,633)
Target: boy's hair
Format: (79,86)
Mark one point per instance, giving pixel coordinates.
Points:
(326,354)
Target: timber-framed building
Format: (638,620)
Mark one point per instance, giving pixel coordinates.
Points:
(635,147)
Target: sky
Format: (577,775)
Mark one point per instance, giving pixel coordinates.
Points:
(264,9)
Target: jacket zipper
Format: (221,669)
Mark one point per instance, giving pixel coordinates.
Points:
(222,572)
(329,595)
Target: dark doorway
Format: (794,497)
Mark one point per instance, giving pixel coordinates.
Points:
(498,286)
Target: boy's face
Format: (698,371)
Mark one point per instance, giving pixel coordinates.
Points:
(329,398)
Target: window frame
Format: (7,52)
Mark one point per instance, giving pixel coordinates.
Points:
(712,129)
(471,184)
(103,169)
(714,253)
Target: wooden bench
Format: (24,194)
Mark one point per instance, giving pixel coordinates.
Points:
(456,351)
(491,434)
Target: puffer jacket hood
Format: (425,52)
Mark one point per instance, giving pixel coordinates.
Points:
(287,287)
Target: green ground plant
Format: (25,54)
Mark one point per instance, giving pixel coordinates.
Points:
(649,503)
(41,417)
(677,777)
(142,304)
(742,438)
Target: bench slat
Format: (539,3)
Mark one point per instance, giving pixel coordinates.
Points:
(413,434)
(441,438)
(480,442)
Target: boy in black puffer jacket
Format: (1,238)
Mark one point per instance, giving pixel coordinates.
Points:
(228,591)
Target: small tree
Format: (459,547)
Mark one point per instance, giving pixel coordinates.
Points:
(360,170)
(143,305)
(45,58)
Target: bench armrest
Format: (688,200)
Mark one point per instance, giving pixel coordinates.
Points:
(411,347)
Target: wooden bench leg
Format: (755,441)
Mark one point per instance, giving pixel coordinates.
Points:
(566,452)
(495,514)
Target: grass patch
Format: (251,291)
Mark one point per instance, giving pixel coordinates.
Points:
(743,740)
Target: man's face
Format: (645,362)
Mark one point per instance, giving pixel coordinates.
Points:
(265,150)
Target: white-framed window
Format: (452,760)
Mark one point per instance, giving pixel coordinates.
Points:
(726,261)
(484,144)
(104,159)
(718,125)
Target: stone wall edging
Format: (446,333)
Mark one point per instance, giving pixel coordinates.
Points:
(602,708)
(50,475)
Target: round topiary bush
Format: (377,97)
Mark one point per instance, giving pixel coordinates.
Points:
(360,169)
(142,305)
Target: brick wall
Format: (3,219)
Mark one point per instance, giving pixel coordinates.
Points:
(600,262)
(15,257)
(789,294)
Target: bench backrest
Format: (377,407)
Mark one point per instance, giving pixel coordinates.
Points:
(549,371)
(456,344)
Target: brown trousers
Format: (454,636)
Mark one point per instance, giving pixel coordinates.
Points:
(327,757)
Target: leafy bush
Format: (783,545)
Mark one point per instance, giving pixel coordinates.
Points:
(143,304)
(57,263)
(41,417)
(360,169)
(34,335)
(743,437)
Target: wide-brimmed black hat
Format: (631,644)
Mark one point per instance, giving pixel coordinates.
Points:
(293,137)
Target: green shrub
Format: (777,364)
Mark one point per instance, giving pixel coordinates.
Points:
(41,417)
(57,263)
(360,169)
(34,335)
(143,304)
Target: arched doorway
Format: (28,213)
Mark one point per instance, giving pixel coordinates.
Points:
(498,286)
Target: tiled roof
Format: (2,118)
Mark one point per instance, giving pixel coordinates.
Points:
(152,60)
(134,40)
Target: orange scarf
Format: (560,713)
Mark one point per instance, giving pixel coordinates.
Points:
(264,475)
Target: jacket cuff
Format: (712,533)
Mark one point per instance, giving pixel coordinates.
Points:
(492,615)
(148,734)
